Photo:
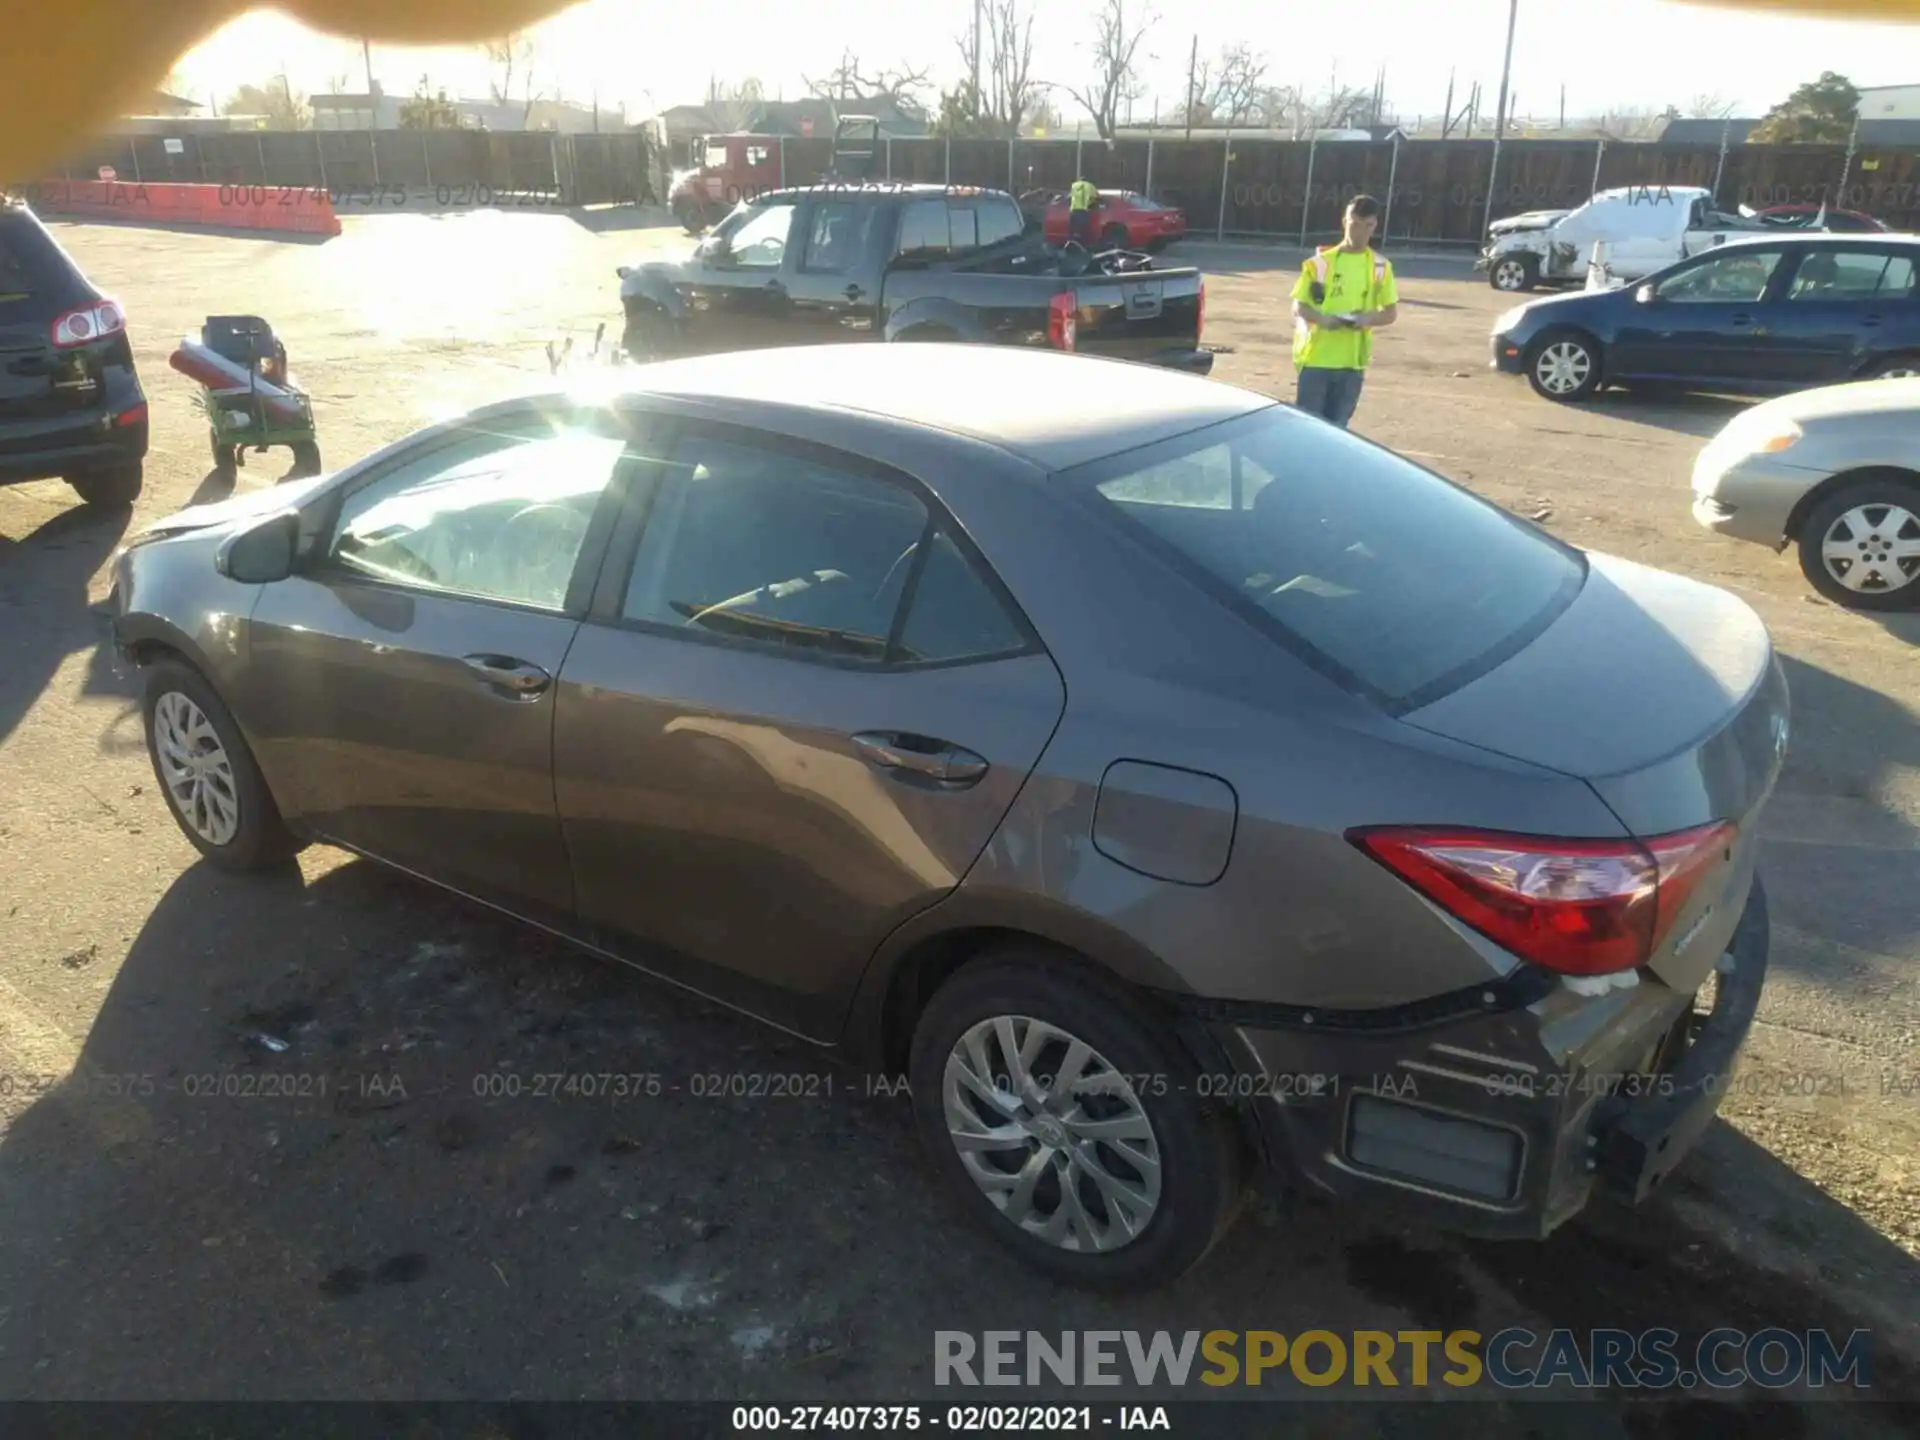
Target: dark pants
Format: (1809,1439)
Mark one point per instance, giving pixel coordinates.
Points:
(1079,225)
(1330,394)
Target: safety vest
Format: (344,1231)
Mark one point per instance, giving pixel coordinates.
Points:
(1321,265)
(1082,195)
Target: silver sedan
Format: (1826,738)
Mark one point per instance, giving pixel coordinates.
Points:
(1831,472)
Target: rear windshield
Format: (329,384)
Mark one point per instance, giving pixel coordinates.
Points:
(1396,583)
(31,264)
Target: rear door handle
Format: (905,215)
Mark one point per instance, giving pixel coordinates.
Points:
(521,679)
(937,760)
(1869,321)
(1740,319)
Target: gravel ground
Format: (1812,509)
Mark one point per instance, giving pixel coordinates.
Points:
(393,1222)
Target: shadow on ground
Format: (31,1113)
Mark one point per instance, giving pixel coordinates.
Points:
(46,576)
(338,1136)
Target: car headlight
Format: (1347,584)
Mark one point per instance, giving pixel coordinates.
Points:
(1507,321)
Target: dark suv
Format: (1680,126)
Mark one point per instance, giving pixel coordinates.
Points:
(70,403)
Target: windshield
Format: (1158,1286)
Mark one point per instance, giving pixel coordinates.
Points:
(1394,582)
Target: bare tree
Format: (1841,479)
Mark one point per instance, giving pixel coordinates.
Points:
(1116,57)
(1709,107)
(284,109)
(510,52)
(734,107)
(903,86)
(1009,94)
(1340,107)
(1236,87)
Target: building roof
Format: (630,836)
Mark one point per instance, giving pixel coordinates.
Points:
(796,118)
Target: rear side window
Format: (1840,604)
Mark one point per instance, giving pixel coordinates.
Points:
(1392,581)
(755,543)
(924,232)
(1000,221)
(30,262)
(1851,275)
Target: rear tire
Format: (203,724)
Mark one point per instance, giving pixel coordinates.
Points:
(112,488)
(690,217)
(1898,367)
(207,773)
(1165,1212)
(1865,534)
(1114,237)
(1514,274)
(1564,365)
(306,459)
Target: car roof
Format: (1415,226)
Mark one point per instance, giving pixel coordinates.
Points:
(1052,409)
(1818,240)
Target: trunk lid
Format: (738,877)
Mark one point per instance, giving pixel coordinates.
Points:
(1664,695)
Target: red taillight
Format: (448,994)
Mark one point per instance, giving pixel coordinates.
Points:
(1063,324)
(1200,326)
(89,322)
(136,416)
(1582,907)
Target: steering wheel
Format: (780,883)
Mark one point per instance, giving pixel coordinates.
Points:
(541,543)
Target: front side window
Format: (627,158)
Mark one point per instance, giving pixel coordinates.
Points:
(756,543)
(1393,581)
(491,516)
(1737,278)
(760,240)
(716,157)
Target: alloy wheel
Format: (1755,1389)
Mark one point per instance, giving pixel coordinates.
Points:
(1509,275)
(1055,1137)
(196,768)
(1873,549)
(1563,367)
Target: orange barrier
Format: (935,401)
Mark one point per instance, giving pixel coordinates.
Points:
(291,209)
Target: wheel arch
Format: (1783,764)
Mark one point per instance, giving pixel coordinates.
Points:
(932,314)
(1839,480)
(903,981)
(1866,369)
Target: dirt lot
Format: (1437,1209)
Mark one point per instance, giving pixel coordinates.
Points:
(407,1237)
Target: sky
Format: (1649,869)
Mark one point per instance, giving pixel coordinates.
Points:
(1620,53)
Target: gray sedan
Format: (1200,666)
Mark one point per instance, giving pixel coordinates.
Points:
(1177,790)
(1831,472)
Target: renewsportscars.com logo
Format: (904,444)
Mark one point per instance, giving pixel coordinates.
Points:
(1514,1358)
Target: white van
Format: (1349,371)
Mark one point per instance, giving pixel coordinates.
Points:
(1636,230)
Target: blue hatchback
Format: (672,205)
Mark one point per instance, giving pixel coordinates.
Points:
(1759,316)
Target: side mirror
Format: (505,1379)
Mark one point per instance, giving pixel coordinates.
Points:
(263,553)
(1644,295)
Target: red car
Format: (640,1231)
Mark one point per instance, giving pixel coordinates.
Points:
(1121,219)
(1802,217)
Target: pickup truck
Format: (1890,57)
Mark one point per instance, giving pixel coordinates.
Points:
(838,263)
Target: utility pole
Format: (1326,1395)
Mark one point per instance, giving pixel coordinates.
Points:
(366,54)
(1446,113)
(1563,104)
(1193,81)
(1506,67)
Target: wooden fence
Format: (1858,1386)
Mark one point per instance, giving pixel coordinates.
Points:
(1434,190)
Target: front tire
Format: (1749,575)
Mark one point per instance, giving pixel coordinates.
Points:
(1860,545)
(1114,237)
(113,488)
(1564,365)
(1514,274)
(1067,1122)
(1900,367)
(207,773)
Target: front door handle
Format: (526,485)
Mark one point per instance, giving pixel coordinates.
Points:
(854,292)
(937,760)
(1740,319)
(1869,321)
(519,678)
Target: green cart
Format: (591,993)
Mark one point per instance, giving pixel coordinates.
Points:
(266,411)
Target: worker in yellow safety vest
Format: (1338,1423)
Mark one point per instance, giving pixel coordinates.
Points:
(1345,293)
(1080,202)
